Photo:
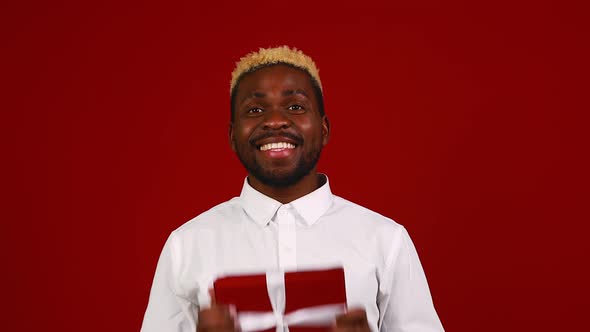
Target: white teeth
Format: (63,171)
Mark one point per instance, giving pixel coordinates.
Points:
(279,145)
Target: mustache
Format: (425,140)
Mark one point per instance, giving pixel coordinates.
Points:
(297,139)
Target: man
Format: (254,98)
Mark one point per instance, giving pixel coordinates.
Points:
(286,217)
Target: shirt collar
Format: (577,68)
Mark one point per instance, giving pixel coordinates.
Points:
(310,207)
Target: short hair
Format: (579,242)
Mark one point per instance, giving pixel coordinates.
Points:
(282,55)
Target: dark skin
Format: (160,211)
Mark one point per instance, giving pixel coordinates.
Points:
(277,104)
(278,101)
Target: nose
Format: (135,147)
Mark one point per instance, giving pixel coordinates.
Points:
(276,119)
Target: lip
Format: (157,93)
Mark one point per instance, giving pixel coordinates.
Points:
(280,153)
(276,139)
(277,153)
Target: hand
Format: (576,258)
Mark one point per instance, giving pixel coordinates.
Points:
(217,318)
(355,320)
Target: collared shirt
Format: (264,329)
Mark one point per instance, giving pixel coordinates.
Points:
(254,233)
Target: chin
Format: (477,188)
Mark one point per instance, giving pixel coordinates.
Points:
(279,179)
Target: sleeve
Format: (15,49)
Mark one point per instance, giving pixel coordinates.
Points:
(166,310)
(404,300)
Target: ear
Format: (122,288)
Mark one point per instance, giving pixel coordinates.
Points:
(232,140)
(325,130)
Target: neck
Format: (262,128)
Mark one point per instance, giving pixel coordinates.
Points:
(285,195)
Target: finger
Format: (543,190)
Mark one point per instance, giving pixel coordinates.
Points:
(216,318)
(353,318)
(212,296)
(347,329)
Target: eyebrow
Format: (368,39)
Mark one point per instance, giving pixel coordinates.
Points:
(294,92)
(285,93)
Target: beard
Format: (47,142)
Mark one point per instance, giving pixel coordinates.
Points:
(279,178)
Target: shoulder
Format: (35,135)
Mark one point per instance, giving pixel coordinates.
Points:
(360,214)
(216,218)
(365,223)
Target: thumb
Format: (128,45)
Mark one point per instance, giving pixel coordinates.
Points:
(212,296)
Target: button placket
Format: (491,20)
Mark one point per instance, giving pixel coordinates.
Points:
(287,239)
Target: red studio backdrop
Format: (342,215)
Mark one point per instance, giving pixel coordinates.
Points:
(461,121)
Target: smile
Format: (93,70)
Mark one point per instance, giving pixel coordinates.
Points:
(276,146)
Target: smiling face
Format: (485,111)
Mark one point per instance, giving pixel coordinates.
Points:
(277,131)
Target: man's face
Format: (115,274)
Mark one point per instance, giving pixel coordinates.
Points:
(277,131)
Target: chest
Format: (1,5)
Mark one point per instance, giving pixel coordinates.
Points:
(251,250)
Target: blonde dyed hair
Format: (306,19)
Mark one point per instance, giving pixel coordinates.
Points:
(274,56)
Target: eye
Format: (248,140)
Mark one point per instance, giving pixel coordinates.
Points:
(255,110)
(295,108)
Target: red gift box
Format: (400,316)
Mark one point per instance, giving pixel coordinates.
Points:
(305,301)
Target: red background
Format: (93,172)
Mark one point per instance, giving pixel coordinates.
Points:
(461,121)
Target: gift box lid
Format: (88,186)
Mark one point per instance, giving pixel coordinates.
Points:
(302,289)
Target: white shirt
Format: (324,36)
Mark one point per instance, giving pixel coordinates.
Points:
(254,233)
